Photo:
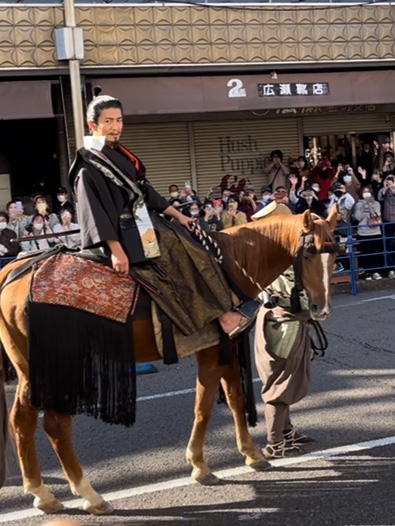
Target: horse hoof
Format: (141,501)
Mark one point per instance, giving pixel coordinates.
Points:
(104,508)
(208,479)
(260,465)
(51,506)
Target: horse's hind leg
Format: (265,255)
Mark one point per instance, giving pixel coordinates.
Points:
(58,427)
(23,420)
(209,374)
(231,383)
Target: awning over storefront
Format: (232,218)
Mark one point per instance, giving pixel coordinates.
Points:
(25,100)
(276,93)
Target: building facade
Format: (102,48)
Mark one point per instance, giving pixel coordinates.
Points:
(209,91)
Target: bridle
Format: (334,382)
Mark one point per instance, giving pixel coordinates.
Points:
(307,244)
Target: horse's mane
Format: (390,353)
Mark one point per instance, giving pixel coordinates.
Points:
(275,240)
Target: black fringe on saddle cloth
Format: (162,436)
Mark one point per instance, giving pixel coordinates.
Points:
(81,363)
(245,364)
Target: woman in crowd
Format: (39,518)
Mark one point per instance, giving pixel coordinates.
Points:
(300,170)
(309,200)
(232,216)
(346,176)
(212,216)
(41,207)
(38,226)
(7,247)
(368,214)
(17,219)
(66,218)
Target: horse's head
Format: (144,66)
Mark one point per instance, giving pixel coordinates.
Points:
(315,261)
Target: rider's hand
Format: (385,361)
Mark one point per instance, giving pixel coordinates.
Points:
(185,221)
(120,262)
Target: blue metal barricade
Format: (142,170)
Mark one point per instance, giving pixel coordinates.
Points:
(354,255)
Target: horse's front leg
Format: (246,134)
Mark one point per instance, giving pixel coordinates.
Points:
(231,383)
(23,420)
(209,374)
(58,427)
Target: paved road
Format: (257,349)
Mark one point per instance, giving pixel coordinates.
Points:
(143,469)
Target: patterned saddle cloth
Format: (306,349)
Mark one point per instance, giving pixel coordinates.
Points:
(79,283)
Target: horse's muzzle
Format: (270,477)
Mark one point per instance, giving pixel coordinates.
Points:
(320,313)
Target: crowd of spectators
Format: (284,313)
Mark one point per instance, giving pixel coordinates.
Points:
(16,225)
(365,197)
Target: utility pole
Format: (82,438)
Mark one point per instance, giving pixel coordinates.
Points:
(70,46)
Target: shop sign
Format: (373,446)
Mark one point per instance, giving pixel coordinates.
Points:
(293,89)
(241,155)
(313,110)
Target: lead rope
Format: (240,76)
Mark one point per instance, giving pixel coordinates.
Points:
(206,240)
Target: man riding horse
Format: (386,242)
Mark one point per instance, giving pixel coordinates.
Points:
(118,212)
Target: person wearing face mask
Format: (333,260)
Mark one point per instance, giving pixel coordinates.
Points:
(232,216)
(345,175)
(193,210)
(323,175)
(212,219)
(7,247)
(174,191)
(66,224)
(309,200)
(64,202)
(41,207)
(37,227)
(301,170)
(345,203)
(367,212)
(276,172)
(18,220)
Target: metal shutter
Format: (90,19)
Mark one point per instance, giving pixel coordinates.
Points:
(164,150)
(338,124)
(240,148)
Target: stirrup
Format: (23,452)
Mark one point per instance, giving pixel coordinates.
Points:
(281,450)
(249,311)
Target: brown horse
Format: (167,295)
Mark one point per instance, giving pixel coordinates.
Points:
(264,250)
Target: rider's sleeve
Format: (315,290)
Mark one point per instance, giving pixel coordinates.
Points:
(97,213)
(154,200)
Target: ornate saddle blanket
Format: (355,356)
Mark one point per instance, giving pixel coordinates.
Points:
(79,283)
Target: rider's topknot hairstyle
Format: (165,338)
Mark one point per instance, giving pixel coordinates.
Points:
(100,103)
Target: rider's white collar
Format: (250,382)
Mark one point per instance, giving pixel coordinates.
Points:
(94,143)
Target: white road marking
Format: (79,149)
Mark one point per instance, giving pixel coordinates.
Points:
(361,302)
(223,474)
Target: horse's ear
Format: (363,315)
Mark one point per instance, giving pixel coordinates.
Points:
(308,224)
(333,217)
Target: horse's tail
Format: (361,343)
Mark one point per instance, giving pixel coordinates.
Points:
(3,421)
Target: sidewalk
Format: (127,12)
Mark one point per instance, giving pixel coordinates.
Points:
(382,284)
